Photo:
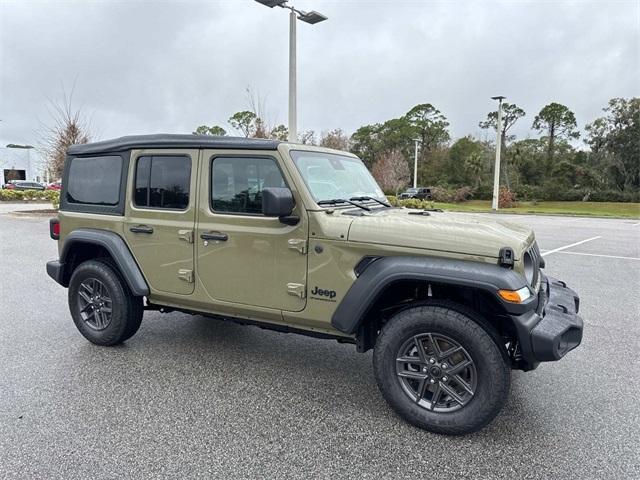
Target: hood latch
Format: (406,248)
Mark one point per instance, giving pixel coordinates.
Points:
(505,257)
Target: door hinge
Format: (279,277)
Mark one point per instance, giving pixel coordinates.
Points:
(297,289)
(298,244)
(186,235)
(186,275)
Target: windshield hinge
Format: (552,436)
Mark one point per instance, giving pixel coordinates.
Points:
(298,244)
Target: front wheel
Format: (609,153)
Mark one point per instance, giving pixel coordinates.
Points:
(440,370)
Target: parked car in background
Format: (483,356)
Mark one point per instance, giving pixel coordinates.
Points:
(421,193)
(54,186)
(23,185)
(9,184)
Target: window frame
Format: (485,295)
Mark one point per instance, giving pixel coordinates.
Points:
(213,158)
(117,209)
(134,205)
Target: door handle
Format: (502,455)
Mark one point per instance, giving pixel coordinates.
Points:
(141,229)
(222,237)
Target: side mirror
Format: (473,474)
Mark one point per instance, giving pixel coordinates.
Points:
(277,202)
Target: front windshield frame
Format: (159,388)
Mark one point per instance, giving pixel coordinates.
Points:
(374,189)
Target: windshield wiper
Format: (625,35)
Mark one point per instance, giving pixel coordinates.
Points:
(364,199)
(336,201)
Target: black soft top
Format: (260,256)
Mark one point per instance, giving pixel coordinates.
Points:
(172,141)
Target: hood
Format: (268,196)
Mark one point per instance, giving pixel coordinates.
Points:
(440,231)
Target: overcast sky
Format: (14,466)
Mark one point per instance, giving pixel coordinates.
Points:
(169,66)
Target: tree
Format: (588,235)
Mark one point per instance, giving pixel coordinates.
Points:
(392,172)
(557,121)
(365,143)
(214,130)
(423,121)
(67,126)
(280,132)
(307,137)
(428,124)
(244,122)
(467,162)
(335,139)
(511,113)
(615,142)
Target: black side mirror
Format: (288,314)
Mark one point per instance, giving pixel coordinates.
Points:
(278,202)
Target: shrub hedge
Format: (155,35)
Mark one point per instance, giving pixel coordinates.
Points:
(52,196)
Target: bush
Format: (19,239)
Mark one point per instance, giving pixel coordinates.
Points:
(506,198)
(52,196)
(614,196)
(444,195)
(483,192)
(414,203)
(393,200)
(462,194)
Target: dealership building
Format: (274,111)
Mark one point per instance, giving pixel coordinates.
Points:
(20,163)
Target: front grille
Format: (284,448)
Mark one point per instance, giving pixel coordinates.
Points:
(536,258)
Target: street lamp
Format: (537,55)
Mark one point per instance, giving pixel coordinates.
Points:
(415,164)
(496,172)
(311,18)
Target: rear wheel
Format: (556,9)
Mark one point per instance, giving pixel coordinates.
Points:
(101,304)
(440,370)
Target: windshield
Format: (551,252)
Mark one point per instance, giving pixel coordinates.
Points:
(330,176)
(411,190)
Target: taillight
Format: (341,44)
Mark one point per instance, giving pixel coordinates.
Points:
(54,228)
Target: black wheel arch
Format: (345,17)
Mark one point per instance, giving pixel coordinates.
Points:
(391,283)
(89,243)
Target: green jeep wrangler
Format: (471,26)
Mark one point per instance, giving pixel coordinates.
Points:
(301,239)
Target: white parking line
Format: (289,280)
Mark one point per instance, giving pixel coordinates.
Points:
(569,246)
(636,224)
(598,255)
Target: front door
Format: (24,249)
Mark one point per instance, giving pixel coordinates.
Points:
(243,257)
(160,217)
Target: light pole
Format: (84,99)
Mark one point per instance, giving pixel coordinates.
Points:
(415,164)
(496,172)
(312,18)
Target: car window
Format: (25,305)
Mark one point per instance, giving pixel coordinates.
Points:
(94,180)
(237,183)
(162,182)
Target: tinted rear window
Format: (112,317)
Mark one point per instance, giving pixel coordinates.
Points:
(163,182)
(94,180)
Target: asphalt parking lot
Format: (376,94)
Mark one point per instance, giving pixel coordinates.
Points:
(191,397)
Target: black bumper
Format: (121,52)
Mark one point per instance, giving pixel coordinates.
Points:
(54,270)
(553,329)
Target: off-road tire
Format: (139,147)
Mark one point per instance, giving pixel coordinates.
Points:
(492,371)
(126,309)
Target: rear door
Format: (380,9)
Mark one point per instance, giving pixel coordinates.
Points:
(160,217)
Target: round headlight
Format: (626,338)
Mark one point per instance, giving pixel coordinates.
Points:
(528,267)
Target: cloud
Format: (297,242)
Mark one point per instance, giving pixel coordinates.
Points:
(142,67)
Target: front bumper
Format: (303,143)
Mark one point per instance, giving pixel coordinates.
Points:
(553,329)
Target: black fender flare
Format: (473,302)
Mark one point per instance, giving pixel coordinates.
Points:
(381,273)
(117,248)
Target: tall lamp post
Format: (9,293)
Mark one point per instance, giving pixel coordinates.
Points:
(415,164)
(312,18)
(496,172)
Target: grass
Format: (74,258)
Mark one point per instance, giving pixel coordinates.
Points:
(596,209)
